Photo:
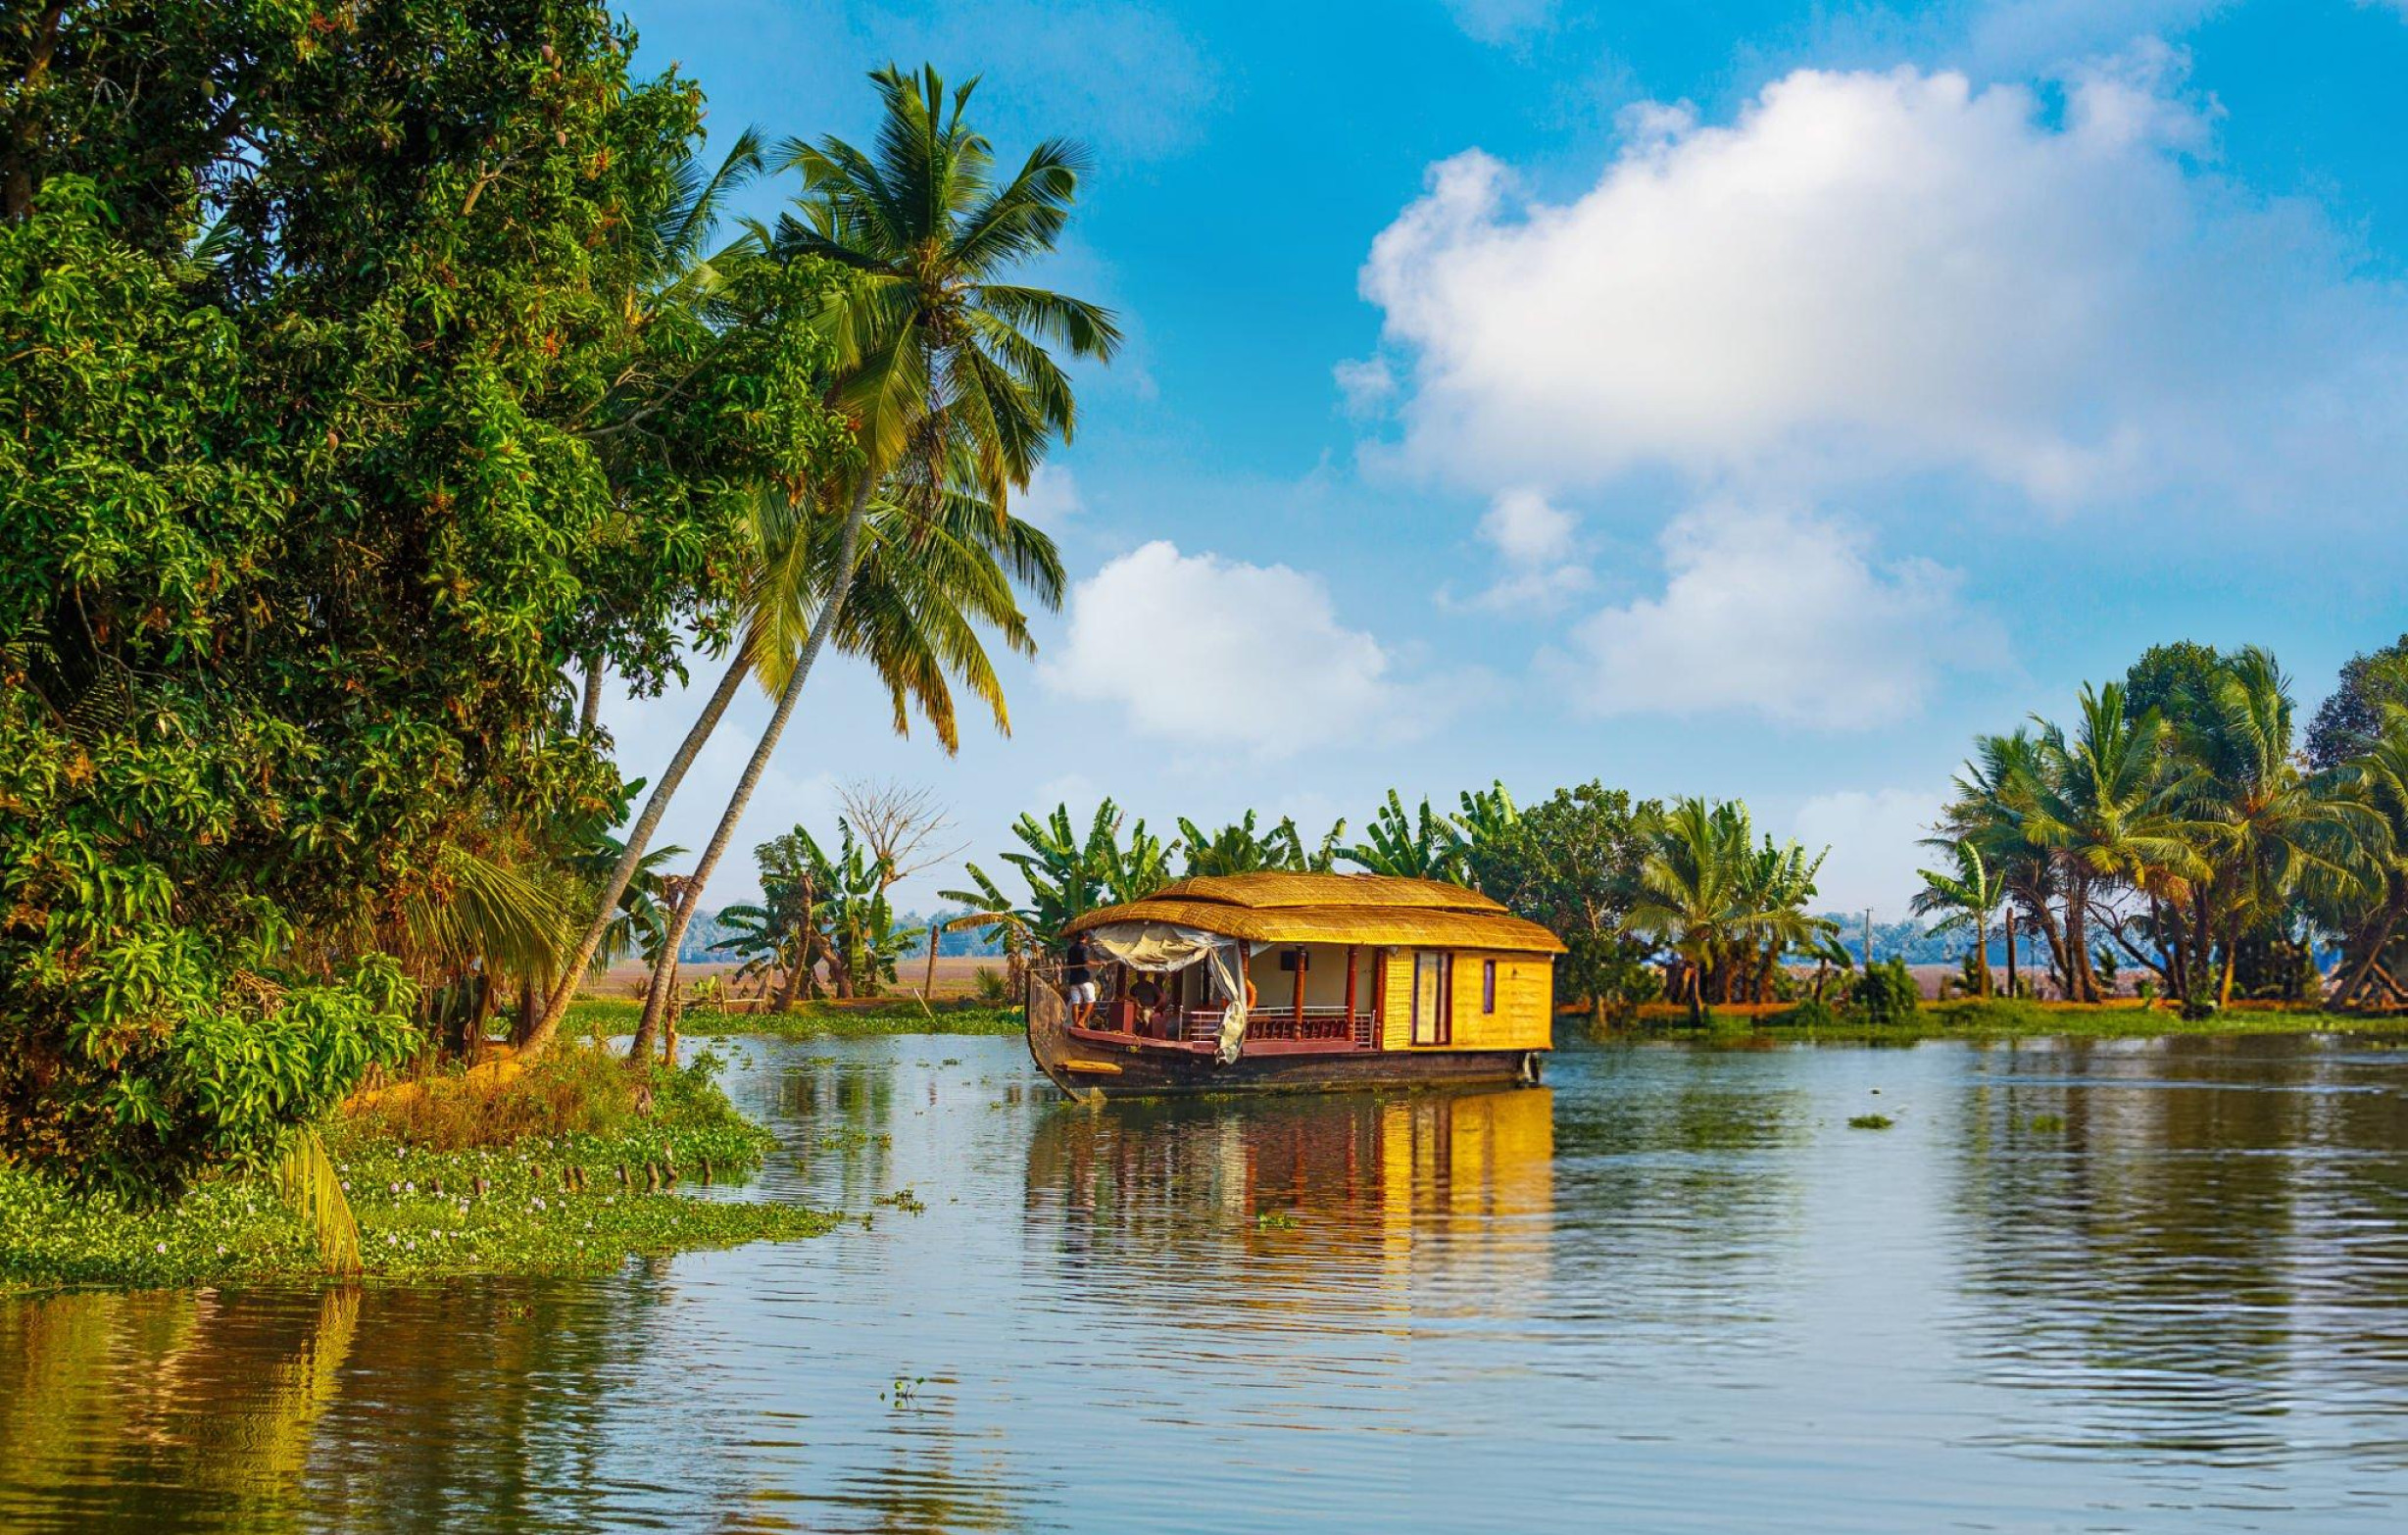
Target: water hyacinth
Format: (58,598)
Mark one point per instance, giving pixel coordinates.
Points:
(224,1229)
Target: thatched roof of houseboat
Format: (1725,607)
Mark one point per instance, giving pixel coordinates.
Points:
(1366,909)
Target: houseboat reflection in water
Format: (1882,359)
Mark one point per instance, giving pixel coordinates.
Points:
(1338,1199)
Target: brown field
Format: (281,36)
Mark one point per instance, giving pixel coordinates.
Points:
(954,976)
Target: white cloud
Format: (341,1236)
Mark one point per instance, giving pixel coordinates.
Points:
(1527,528)
(1538,541)
(1872,273)
(1364,383)
(1051,499)
(1501,20)
(1216,653)
(1784,615)
(1875,848)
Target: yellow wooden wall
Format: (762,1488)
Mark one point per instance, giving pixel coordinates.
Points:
(1525,1015)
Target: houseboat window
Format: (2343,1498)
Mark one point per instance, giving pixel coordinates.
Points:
(1488,985)
(1431,972)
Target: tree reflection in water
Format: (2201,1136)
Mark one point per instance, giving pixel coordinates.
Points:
(2174,1244)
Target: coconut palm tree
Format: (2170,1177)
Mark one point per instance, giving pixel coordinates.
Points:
(933,572)
(2378,776)
(2268,831)
(1967,895)
(942,368)
(1996,808)
(1693,897)
(2113,813)
(682,271)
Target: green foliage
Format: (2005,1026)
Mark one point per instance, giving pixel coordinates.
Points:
(1725,904)
(308,519)
(1236,849)
(1871,1122)
(2352,719)
(1572,864)
(1885,992)
(1965,897)
(1066,875)
(2177,810)
(1425,845)
(1813,1013)
(537,1203)
(817,908)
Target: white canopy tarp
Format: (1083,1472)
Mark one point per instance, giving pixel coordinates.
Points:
(1166,946)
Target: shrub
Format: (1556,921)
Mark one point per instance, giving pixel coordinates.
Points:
(988,984)
(1813,1013)
(571,1091)
(1886,992)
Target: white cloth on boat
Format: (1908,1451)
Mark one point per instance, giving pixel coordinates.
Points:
(1167,946)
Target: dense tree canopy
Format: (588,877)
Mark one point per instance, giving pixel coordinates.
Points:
(337,418)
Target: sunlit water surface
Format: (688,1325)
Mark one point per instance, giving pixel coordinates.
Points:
(2118,1286)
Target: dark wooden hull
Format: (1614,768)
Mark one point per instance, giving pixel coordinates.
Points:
(1088,1066)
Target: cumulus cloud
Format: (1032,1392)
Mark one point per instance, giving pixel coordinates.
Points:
(1216,653)
(1871,273)
(1876,847)
(1527,528)
(1538,543)
(1782,614)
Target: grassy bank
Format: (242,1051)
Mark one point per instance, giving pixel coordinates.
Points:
(2002,1019)
(548,1171)
(809,1020)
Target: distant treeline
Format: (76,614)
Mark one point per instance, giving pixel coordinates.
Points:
(708,931)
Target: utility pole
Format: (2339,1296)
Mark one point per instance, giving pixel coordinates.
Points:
(1868,937)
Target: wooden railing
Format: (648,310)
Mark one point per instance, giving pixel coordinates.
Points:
(1325,1024)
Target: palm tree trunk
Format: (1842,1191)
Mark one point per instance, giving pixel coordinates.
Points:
(656,803)
(689,897)
(589,713)
(2373,943)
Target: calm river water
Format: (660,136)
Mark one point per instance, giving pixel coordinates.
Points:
(2116,1286)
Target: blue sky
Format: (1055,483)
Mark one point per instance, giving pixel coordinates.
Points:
(1745,399)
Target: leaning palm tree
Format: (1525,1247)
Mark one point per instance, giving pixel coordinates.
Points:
(1967,895)
(933,573)
(681,273)
(939,366)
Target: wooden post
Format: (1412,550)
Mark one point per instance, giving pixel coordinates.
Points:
(1300,991)
(1350,993)
(2010,951)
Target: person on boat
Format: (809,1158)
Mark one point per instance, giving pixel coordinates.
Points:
(1079,980)
(1147,993)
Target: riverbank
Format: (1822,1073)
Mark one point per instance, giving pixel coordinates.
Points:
(1998,1018)
(566,1168)
(822,1019)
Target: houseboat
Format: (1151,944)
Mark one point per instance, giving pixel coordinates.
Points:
(1239,982)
